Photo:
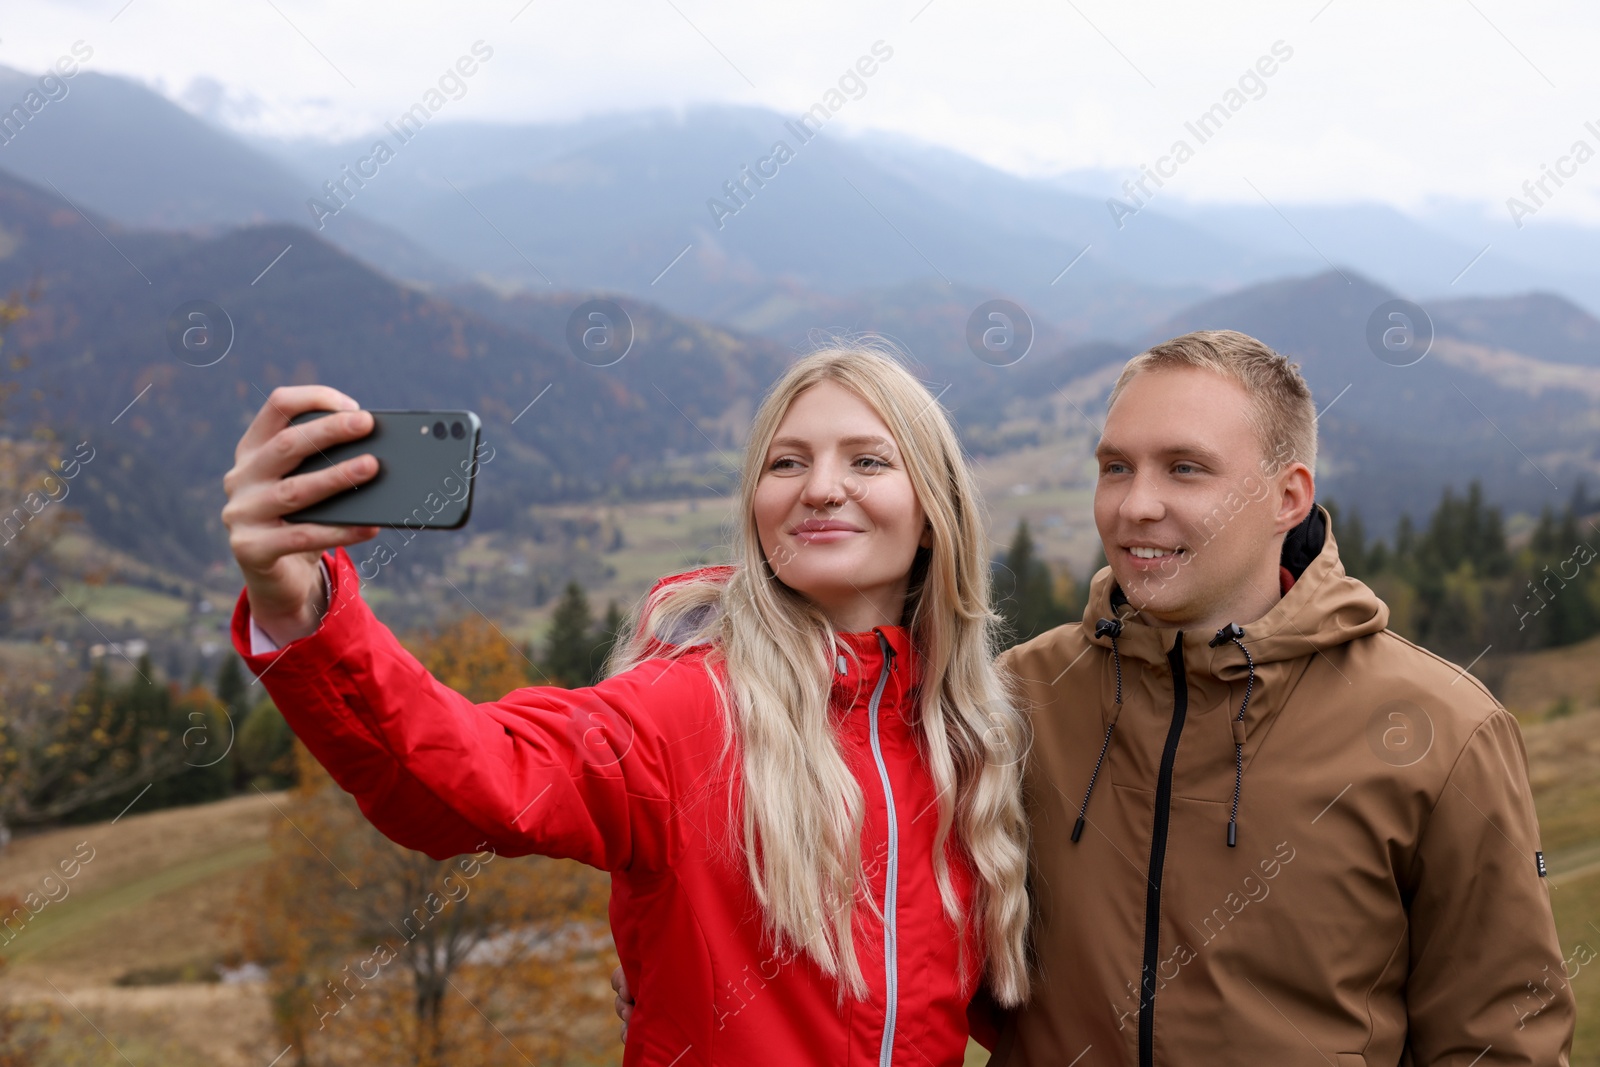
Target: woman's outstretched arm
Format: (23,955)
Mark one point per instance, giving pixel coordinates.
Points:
(577,773)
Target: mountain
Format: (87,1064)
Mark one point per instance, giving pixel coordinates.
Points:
(1551,326)
(101,298)
(1434,256)
(672,207)
(926,320)
(665,206)
(124,151)
(847,234)
(1152,246)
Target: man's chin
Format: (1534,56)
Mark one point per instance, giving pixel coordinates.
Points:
(1157,598)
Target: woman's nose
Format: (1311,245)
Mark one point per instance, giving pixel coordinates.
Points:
(826,487)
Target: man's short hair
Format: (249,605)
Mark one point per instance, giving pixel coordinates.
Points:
(1282,411)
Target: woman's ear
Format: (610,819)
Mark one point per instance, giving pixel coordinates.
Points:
(926,540)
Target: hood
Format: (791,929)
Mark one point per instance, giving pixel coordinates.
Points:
(1322,609)
(719,573)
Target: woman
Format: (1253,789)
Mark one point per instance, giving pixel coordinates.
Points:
(801,769)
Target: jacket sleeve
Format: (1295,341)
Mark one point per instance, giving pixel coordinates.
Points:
(581,774)
(1487,983)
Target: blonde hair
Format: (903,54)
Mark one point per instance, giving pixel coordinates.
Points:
(801,809)
(1281,409)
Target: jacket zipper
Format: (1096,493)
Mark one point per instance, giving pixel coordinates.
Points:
(1158,857)
(891,967)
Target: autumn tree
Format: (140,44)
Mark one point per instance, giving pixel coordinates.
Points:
(33,491)
(87,752)
(64,747)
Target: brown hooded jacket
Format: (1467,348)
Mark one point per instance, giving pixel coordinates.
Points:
(1379,897)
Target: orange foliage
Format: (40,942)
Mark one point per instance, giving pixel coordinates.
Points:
(471,657)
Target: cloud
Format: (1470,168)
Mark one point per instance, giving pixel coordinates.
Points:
(1455,106)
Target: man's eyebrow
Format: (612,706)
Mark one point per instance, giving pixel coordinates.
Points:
(1105,448)
(857,439)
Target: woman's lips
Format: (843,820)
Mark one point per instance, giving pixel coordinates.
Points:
(823,537)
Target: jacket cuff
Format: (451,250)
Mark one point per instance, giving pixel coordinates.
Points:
(316,650)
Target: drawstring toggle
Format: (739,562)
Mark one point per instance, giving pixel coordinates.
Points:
(1103,628)
(1235,633)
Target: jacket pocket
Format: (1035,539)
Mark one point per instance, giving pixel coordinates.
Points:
(1351,1059)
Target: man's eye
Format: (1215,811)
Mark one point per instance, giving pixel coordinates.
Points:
(1186,468)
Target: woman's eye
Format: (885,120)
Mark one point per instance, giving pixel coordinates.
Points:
(777,464)
(874,460)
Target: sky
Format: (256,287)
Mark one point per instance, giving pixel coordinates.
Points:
(1421,104)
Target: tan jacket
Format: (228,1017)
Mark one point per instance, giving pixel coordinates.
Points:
(1385,902)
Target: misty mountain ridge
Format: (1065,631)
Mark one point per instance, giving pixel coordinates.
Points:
(853,234)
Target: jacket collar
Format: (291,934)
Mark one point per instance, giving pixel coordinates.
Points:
(862,654)
(862,658)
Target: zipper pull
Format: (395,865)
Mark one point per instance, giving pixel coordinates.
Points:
(888,649)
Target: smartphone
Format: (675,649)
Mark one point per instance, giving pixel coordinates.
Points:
(427,466)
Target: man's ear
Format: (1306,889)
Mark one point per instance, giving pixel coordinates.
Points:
(1296,496)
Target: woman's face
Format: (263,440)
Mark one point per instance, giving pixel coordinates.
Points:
(838,519)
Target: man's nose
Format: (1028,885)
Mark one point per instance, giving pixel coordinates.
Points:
(1143,500)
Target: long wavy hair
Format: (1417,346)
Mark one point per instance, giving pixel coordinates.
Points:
(801,808)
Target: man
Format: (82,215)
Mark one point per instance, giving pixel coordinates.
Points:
(1266,829)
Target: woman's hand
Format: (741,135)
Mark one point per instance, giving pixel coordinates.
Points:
(278,558)
(624,1005)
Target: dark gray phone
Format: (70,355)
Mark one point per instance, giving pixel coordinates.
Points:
(427,466)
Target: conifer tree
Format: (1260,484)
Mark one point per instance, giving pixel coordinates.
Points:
(570,643)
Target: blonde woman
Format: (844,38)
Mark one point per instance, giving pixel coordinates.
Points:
(801,770)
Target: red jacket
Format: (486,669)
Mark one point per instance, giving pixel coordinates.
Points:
(627,776)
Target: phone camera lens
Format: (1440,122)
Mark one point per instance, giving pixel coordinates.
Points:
(439,430)
(457,430)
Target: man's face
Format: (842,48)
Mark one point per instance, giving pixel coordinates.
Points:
(1190,505)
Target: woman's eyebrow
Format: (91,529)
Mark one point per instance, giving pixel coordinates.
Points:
(858,439)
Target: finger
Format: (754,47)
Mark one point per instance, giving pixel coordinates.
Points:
(624,1035)
(263,501)
(290,446)
(616,982)
(302,490)
(262,546)
(285,403)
